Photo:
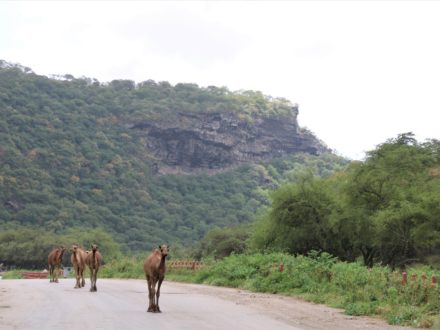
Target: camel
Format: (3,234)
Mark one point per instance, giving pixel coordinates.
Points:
(54,260)
(154,268)
(78,259)
(93,260)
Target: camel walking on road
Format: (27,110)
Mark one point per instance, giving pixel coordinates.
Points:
(54,260)
(93,260)
(78,259)
(154,268)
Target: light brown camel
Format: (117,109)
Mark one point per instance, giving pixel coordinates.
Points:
(154,268)
(93,260)
(78,259)
(54,260)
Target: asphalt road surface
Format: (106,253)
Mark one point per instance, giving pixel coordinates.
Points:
(122,305)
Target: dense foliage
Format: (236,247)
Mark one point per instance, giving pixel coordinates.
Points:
(385,209)
(68,159)
(222,242)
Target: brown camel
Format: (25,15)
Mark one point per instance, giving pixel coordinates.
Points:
(78,259)
(54,260)
(93,260)
(154,268)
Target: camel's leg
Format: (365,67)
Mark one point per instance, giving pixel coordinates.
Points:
(96,278)
(153,295)
(83,281)
(91,280)
(148,285)
(50,273)
(150,296)
(151,307)
(158,294)
(77,277)
(56,271)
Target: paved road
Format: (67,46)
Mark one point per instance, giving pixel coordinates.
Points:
(121,305)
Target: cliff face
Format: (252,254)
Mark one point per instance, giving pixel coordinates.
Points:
(212,142)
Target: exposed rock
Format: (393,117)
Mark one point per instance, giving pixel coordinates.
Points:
(216,141)
(12,205)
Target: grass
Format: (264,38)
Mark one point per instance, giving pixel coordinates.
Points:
(13,274)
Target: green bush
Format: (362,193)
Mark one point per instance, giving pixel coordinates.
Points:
(123,268)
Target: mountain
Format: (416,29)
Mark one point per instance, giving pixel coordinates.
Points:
(147,162)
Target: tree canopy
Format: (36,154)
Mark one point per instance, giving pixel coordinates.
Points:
(384,209)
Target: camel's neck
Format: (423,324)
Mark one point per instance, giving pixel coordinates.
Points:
(76,256)
(162,262)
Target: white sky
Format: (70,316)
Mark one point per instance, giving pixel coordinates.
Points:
(361,71)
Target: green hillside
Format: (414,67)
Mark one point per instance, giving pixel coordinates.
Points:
(69,160)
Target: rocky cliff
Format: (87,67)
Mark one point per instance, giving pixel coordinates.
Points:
(211,142)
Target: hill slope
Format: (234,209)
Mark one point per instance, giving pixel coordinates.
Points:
(79,153)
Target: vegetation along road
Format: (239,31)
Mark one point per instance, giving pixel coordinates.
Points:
(122,304)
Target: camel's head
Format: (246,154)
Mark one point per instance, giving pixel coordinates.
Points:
(74,248)
(94,247)
(164,249)
(62,248)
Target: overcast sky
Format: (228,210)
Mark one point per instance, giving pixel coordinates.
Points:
(361,71)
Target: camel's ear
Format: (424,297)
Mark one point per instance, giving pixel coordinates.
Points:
(160,247)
